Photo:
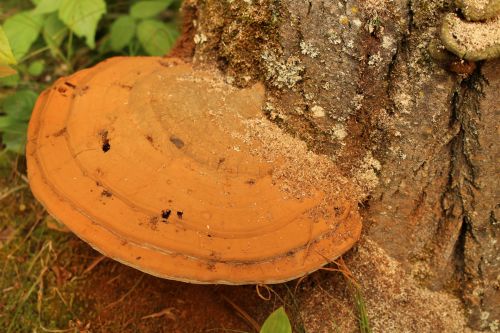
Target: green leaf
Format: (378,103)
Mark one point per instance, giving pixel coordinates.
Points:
(5,122)
(22,31)
(19,105)
(15,141)
(47,6)
(36,67)
(156,37)
(17,109)
(82,17)
(146,9)
(277,322)
(6,55)
(10,81)
(122,32)
(104,45)
(54,32)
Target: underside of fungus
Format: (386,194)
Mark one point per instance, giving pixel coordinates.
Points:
(171,170)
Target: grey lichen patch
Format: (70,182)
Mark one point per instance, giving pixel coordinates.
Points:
(471,40)
(200,38)
(273,112)
(339,132)
(374,59)
(282,72)
(307,48)
(318,111)
(333,37)
(366,172)
(476,10)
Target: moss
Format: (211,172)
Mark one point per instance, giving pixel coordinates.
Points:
(237,32)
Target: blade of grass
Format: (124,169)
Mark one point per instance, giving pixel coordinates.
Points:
(364,324)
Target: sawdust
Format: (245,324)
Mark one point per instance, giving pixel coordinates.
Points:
(394,301)
(301,173)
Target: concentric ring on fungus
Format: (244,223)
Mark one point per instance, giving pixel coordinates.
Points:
(172,171)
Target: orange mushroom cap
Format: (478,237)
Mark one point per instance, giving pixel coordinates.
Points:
(172,171)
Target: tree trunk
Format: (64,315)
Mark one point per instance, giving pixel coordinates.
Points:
(355,80)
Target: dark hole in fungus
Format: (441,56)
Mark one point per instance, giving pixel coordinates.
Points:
(69,84)
(179,214)
(251,181)
(165,214)
(106,146)
(177,142)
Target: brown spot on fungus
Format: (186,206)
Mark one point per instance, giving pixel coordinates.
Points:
(278,229)
(177,142)
(60,132)
(106,193)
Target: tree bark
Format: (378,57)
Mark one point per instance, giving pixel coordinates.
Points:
(355,80)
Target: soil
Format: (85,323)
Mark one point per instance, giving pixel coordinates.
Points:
(116,298)
(123,299)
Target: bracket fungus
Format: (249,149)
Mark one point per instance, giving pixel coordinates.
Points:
(170,170)
(477,37)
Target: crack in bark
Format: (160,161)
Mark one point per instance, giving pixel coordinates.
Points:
(458,199)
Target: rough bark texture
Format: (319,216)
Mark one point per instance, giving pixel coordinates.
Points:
(354,79)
